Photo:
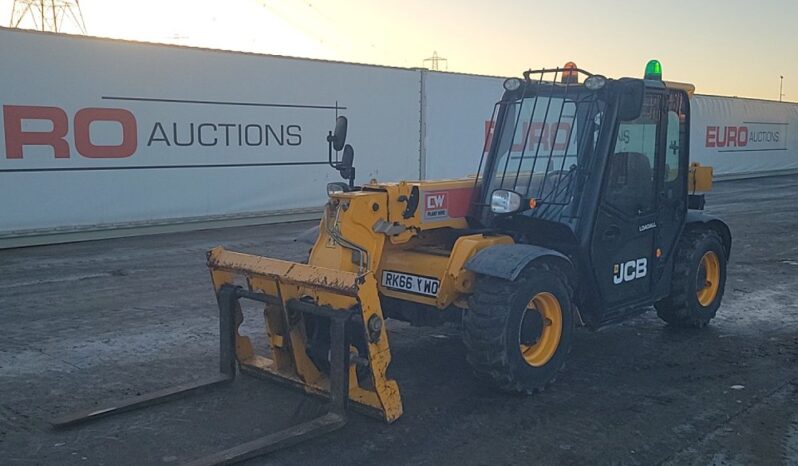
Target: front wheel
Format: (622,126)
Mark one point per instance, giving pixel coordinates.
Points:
(518,333)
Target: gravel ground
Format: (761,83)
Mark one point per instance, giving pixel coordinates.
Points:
(87,323)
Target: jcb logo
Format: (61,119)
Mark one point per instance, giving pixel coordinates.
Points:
(628,271)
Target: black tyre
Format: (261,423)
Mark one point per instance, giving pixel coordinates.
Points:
(518,333)
(699,279)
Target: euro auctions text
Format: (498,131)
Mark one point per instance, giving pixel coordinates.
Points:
(25,126)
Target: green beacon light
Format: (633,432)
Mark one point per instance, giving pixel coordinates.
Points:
(654,70)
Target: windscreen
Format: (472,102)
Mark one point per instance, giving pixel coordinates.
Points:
(544,146)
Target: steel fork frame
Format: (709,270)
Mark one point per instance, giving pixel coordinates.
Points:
(228,299)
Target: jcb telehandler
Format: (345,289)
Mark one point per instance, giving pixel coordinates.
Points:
(584,211)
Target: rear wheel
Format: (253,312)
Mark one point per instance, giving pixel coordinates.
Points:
(699,279)
(518,333)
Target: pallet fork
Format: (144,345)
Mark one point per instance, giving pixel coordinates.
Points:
(289,291)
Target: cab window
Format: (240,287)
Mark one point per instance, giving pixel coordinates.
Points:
(676,139)
(630,184)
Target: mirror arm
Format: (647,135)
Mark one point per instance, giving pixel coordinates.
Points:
(329,149)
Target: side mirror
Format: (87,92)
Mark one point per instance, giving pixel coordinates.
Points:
(337,140)
(630,99)
(346,165)
(503,201)
(339,136)
(348,158)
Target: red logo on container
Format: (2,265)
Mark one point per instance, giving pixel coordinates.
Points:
(727,136)
(550,136)
(17,138)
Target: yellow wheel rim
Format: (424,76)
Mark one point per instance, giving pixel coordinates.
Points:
(709,270)
(541,351)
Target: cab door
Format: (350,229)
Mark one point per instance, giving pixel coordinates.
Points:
(623,241)
(672,180)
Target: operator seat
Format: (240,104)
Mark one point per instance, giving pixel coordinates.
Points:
(631,182)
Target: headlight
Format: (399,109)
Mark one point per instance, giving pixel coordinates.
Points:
(512,84)
(503,201)
(595,82)
(336,187)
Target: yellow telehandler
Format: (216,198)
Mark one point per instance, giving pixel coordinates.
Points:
(584,211)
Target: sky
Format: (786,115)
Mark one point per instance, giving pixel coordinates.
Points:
(724,47)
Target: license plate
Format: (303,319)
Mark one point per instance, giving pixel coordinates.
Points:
(408,283)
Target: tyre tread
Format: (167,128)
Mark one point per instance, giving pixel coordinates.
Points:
(484,325)
(676,308)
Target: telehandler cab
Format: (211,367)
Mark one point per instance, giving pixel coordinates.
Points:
(584,211)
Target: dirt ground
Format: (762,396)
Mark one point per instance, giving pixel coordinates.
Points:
(90,322)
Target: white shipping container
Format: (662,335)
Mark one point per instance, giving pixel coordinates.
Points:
(103,137)
(457,117)
(744,137)
(99,132)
